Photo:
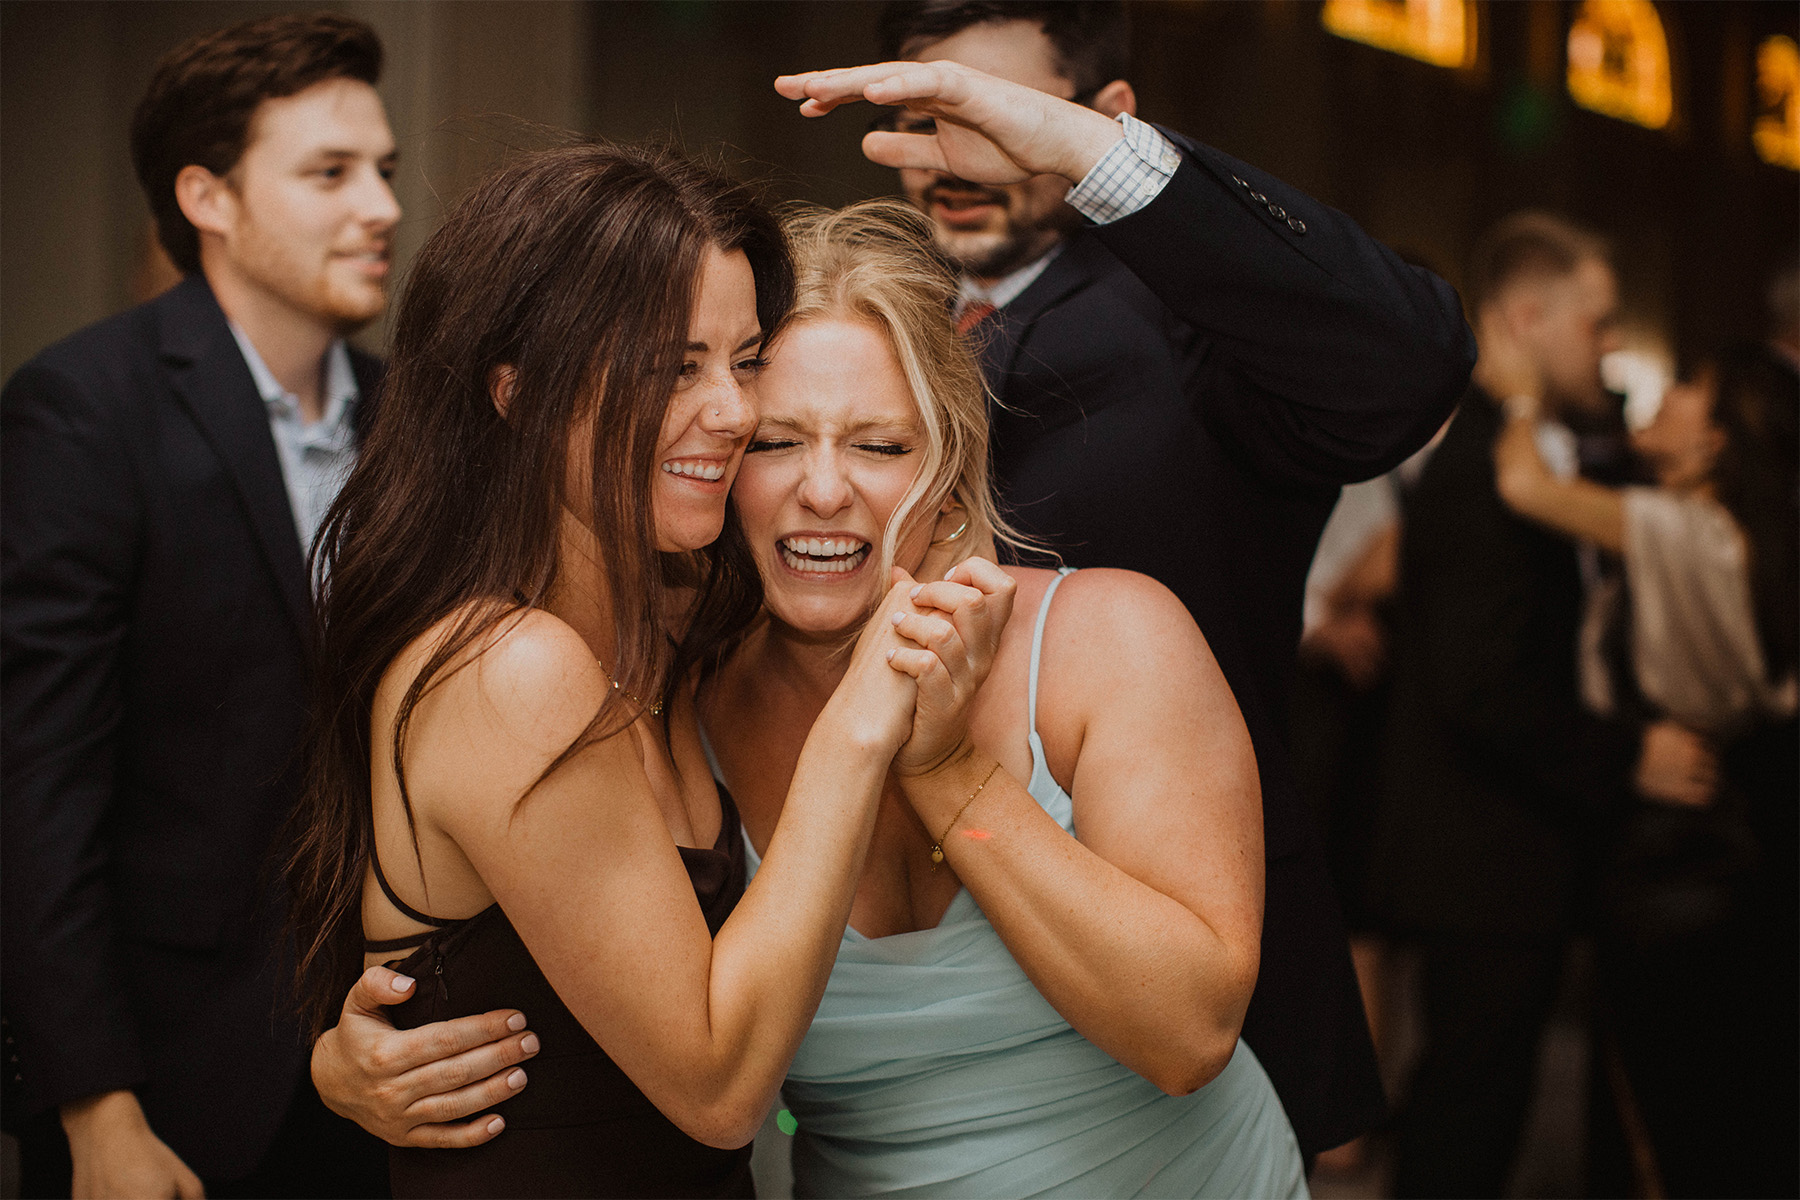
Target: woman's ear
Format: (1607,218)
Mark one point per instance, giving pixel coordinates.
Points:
(501,381)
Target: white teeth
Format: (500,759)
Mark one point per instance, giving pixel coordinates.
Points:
(708,471)
(824,547)
(847,561)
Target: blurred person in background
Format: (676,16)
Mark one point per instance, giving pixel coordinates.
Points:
(1493,771)
(1189,357)
(164,472)
(1697,905)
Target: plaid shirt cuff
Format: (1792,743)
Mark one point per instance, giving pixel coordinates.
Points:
(1128,176)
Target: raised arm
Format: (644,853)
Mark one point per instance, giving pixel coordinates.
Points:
(1144,930)
(705,1026)
(1337,359)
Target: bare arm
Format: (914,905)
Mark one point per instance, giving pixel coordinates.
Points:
(1144,933)
(1578,508)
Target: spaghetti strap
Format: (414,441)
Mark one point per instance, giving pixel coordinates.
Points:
(387,889)
(1037,645)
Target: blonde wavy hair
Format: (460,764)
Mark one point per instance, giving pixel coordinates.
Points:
(874,262)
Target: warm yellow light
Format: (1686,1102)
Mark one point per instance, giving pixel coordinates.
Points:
(1619,62)
(1440,32)
(1777,132)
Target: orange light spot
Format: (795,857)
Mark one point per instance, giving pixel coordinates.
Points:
(977,835)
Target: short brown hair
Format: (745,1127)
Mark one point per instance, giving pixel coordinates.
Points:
(1528,244)
(1092,38)
(205,92)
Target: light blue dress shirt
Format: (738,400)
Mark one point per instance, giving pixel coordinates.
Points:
(315,456)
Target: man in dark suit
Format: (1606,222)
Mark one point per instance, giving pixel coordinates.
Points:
(164,471)
(1495,773)
(1189,357)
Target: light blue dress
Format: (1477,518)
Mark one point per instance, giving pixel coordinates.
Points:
(934,1068)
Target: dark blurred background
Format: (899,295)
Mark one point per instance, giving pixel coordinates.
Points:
(1423,155)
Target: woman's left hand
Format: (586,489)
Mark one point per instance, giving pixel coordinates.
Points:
(959,625)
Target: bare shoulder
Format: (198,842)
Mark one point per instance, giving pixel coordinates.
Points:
(528,684)
(1106,618)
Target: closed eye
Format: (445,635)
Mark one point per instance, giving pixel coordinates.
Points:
(888,448)
(760,445)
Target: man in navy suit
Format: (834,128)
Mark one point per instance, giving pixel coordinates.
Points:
(1190,357)
(164,473)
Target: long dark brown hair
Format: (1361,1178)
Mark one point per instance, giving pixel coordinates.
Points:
(1756,404)
(577,268)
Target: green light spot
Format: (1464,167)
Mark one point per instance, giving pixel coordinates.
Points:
(784,1121)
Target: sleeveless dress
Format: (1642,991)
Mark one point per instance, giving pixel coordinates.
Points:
(580,1127)
(935,1068)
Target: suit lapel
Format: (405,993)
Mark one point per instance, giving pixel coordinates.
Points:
(1069,272)
(208,374)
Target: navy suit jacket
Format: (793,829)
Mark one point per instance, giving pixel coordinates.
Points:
(155,625)
(1181,393)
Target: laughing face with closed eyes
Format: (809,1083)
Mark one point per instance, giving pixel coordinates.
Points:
(834,456)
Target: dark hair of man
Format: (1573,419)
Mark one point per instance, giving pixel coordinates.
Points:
(1527,245)
(1092,38)
(576,267)
(1756,405)
(205,92)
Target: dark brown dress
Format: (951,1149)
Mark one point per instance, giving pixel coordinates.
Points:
(580,1127)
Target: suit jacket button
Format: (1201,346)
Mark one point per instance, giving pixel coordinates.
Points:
(1296,224)
(1278,212)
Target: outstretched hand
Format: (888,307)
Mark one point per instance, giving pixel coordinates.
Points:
(988,130)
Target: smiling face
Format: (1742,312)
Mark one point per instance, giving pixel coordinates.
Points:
(834,456)
(308,218)
(713,408)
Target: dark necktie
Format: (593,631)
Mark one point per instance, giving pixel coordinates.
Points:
(977,312)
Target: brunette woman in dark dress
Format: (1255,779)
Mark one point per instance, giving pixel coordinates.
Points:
(525,572)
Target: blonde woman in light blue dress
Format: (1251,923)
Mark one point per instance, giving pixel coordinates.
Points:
(1052,1009)
(1046,964)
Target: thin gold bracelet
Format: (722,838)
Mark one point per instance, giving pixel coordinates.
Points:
(937,847)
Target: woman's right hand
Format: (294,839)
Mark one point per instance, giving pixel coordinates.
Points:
(415,1087)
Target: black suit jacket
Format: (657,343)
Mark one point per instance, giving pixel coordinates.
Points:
(155,627)
(1181,393)
(1494,771)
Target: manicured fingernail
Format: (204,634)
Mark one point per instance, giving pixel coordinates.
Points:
(516,1022)
(516,1080)
(890,655)
(402,983)
(915,592)
(529,1043)
(496,1125)
(899,617)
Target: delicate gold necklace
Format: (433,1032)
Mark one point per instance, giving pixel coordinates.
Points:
(654,708)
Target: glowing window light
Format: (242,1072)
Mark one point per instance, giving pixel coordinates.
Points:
(1777,132)
(1619,62)
(1440,32)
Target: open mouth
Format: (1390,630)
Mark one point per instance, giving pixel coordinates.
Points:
(823,556)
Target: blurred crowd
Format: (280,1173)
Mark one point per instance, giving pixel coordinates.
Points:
(1546,699)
